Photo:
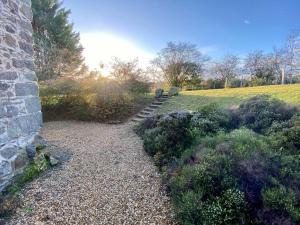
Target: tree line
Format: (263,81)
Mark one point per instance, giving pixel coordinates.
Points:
(58,53)
(182,64)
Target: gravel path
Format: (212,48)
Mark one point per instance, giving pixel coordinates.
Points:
(108,179)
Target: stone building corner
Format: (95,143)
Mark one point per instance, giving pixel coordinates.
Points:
(20,109)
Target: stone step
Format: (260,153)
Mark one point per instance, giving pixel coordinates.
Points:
(157,103)
(148,109)
(141,115)
(136,119)
(161,99)
(154,106)
(146,112)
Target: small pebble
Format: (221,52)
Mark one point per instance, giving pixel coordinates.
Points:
(104,177)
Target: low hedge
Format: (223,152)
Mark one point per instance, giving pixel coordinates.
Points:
(92,100)
(222,168)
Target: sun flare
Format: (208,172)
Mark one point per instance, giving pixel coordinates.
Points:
(101,47)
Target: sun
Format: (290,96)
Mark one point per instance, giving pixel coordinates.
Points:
(101,47)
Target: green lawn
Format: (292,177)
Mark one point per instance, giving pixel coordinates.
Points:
(192,100)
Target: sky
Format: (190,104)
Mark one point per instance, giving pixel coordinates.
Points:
(140,28)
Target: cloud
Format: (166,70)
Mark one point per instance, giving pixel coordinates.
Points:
(103,46)
(247,22)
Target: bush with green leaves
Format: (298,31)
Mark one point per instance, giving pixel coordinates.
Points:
(259,112)
(235,83)
(136,87)
(165,137)
(211,119)
(174,91)
(286,135)
(147,124)
(230,166)
(92,99)
(163,132)
(236,178)
(159,92)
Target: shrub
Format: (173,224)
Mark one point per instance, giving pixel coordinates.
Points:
(219,173)
(236,177)
(286,135)
(227,209)
(213,193)
(171,133)
(258,113)
(256,81)
(213,84)
(279,198)
(137,87)
(210,119)
(173,91)
(91,99)
(147,124)
(168,136)
(235,83)
(159,92)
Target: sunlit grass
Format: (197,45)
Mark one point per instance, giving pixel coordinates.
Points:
(192,100)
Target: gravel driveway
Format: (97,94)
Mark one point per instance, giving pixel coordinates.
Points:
(108,179)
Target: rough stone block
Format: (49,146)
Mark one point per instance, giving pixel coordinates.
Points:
(8,75)
(31,151)
(13,7)
(26,10)
(26,89)
(8,152)
(12,111)
(24,125)
(33,105)
(20,63)
(26,47)
(26,37)
(5,168)
(2,112)
(25,26)
(4,86)
(20,161)
(10,29)
(30,76)
(2,129)
(10,40)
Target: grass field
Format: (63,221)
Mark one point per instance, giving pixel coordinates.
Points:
(192,100)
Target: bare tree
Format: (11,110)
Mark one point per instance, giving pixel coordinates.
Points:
(226,69)
(261,67)
(125,70)
(180,62)
(292,54)
(279,62)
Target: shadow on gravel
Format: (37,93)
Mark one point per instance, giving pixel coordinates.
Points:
(9,202)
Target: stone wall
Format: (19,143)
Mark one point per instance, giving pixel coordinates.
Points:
(20,110)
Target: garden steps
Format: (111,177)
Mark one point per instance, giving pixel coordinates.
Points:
(136,119)
(146,112)
(154,106)
(157,103)
(149,110)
